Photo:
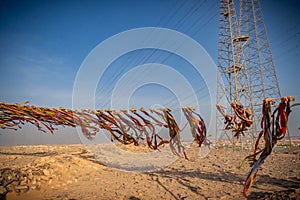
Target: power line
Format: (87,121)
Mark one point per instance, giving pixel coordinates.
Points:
(151,55)
(139,53)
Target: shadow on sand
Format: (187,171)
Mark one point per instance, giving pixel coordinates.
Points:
(183,178)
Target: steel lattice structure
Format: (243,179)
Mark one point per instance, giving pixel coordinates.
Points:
(246,71)
(258,55)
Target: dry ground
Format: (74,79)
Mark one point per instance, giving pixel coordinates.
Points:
(71,172)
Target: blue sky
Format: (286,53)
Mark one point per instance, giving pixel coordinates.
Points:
(43,44)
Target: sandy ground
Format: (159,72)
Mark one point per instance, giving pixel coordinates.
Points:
(72,172)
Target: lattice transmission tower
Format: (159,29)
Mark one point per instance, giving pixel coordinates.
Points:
(246,71)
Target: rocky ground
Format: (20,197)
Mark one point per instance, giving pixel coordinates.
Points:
(72,172)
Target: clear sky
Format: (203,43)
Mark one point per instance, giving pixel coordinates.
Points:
(43,44)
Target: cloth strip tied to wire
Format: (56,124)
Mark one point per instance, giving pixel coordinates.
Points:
(123,127)
(274,127)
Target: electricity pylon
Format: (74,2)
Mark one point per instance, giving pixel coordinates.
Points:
(258,55)
(246,71)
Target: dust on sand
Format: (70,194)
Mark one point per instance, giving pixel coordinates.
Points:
(72,172)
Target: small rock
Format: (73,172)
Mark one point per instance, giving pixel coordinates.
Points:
(44,178)
(46,172)
(223,197)
(21,187)
(33,187)
(30,176)
(33,182)
(59,165)
(23,182)
(38,186)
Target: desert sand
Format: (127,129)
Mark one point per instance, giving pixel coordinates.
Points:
(72,172)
